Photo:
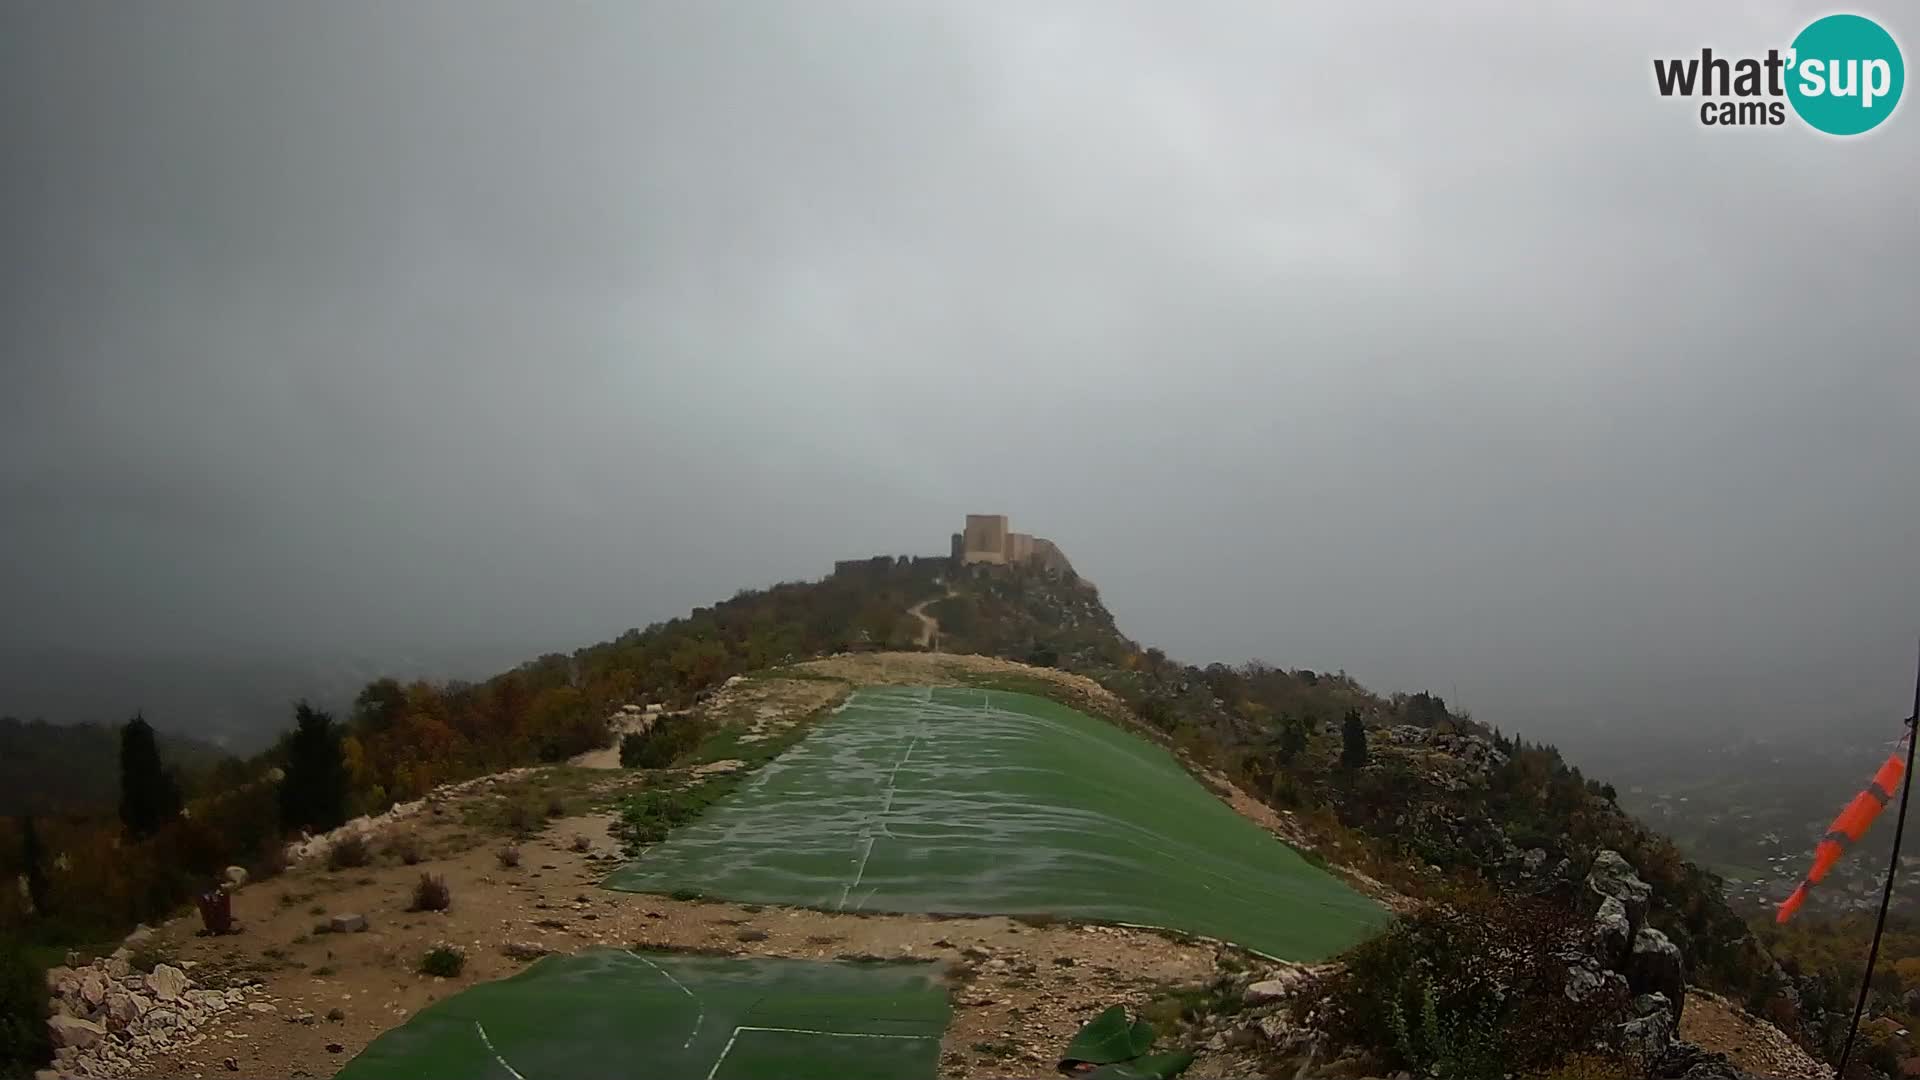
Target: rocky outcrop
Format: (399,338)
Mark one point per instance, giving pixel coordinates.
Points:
(1612,932)
(1655,967)
(107,1019)
(1588,983)
(1613,877)
(1624,945)
(1651,1030)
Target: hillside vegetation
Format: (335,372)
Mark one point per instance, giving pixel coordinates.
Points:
(72,768)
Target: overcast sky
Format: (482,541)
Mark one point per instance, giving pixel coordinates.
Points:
(1418,341)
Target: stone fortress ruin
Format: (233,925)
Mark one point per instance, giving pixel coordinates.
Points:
(987,539)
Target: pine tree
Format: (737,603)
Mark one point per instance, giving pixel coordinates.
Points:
(149,797)
(313,795)
(1353,741)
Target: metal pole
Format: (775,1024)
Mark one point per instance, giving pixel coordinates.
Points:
(1886,893)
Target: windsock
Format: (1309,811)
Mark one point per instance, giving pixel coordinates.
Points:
(1847,830)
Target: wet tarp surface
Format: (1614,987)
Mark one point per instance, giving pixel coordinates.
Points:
(961,800)
(609,1013)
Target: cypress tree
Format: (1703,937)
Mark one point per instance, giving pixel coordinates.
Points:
(314,794)
(1353,741)
(149,798)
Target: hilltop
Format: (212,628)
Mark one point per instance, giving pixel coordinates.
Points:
(1409,800)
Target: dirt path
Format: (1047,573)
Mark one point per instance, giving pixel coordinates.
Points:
(929,626)
(1717,1024)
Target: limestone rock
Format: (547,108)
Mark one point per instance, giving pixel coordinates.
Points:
(1613,876)
(1267,990)
(1586,982)
(123,1009)
(1612,931)
(1650,1032)
(74,1032)
(167,982)
(93,988)
(347,924)
(1655,968)
(236,876)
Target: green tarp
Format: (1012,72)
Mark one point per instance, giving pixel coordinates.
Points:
(960,800)
(678,1017)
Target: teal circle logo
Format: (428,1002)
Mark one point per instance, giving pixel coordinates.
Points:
(1846,74)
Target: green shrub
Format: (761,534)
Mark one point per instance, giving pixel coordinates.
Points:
(1465,991)
(23,1012)
(444,961)
(669,740)
(646,818)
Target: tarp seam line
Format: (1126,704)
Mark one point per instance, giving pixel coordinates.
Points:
(496,1054)
(701,1005)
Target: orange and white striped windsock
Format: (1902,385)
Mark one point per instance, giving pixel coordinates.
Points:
(1848,829)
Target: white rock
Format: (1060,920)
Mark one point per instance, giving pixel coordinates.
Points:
(167,982)
(93,988)
(74,1032)
(236,876)
(1267,990)
(122,1010)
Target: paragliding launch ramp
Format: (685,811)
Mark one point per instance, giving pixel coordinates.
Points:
(967,801)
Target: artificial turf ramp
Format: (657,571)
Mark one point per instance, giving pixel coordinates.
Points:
(959,800)
(609,1013)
